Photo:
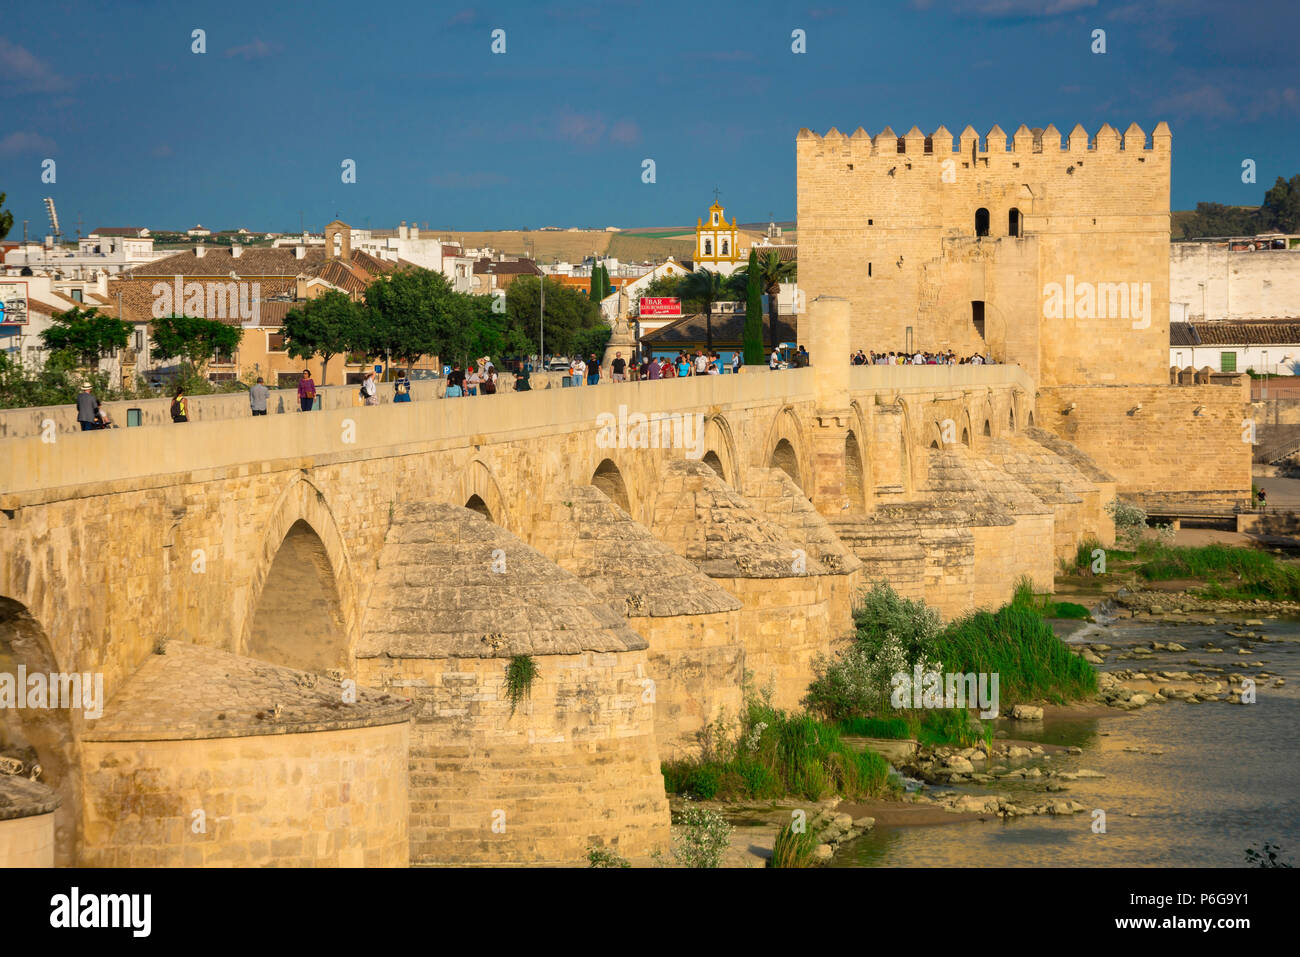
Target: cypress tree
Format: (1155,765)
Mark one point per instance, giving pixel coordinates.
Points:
(753,342)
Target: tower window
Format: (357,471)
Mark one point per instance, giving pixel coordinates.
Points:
(724,247)
(981,222)
(1013,222)
(977,315)
(708,247)
(868,270)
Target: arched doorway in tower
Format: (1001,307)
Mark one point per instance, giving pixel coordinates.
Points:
(609,480)
(1031,420)
(39,736)
(784,458)
(476,504)
(988,429)
(299,620)
(854,482)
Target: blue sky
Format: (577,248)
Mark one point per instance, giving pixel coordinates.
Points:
(554,131)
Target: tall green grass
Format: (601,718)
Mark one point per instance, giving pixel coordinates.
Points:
(776,755)
(793,848)
(1020,647)
(898,729)
(930,726)
(1230,571)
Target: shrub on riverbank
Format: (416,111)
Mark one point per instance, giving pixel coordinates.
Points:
(895,636)
(775,755)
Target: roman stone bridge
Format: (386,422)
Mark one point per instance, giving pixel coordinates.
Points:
(232,579)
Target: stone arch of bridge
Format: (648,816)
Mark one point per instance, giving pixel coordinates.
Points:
(477,480)
(720,450)
(786,449)
(983,418)
(609,478)
(42,735)
(304,562)
(912,444)
(858,429)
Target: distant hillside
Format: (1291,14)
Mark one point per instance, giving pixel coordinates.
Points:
(631,245)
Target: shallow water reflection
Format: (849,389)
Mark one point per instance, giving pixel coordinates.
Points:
(1228,775)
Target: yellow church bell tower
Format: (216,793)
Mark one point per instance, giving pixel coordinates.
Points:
(716,240)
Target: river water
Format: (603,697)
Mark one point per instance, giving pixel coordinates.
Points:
(1227,777)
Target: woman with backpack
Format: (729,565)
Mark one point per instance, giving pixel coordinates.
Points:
(369,392)
(180,407)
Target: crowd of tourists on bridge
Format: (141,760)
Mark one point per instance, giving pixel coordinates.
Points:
(481,377)
(944,357)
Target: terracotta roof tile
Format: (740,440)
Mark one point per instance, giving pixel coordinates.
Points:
(1231,332)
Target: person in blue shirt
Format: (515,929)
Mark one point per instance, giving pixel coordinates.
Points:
(402,390)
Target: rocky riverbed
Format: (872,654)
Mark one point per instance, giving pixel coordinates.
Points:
(1164,781)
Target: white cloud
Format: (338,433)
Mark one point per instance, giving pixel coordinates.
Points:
(26,73)
(23,142)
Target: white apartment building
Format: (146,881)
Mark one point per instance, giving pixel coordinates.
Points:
(94,255)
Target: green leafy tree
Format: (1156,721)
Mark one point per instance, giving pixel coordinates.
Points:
(1281,209)
(771,272)
(1215,219)
(412,314)
(85,334)
(753,345)
(192,338)
(325,326)
(6,218)
(707,288)
(568,312)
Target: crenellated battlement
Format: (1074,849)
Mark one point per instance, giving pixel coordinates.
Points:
(941,144)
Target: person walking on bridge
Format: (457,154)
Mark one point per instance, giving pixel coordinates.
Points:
(306,391)
(257,397)
(180,407)
(87,407)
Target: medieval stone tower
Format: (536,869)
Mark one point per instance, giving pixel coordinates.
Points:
(1047,253)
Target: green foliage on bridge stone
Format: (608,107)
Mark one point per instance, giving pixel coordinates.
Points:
(85,335)
(521,672)
(604,857)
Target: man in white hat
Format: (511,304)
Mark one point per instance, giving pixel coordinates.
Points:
(87,405)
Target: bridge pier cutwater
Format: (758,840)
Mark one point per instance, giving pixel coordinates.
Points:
(421,550)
